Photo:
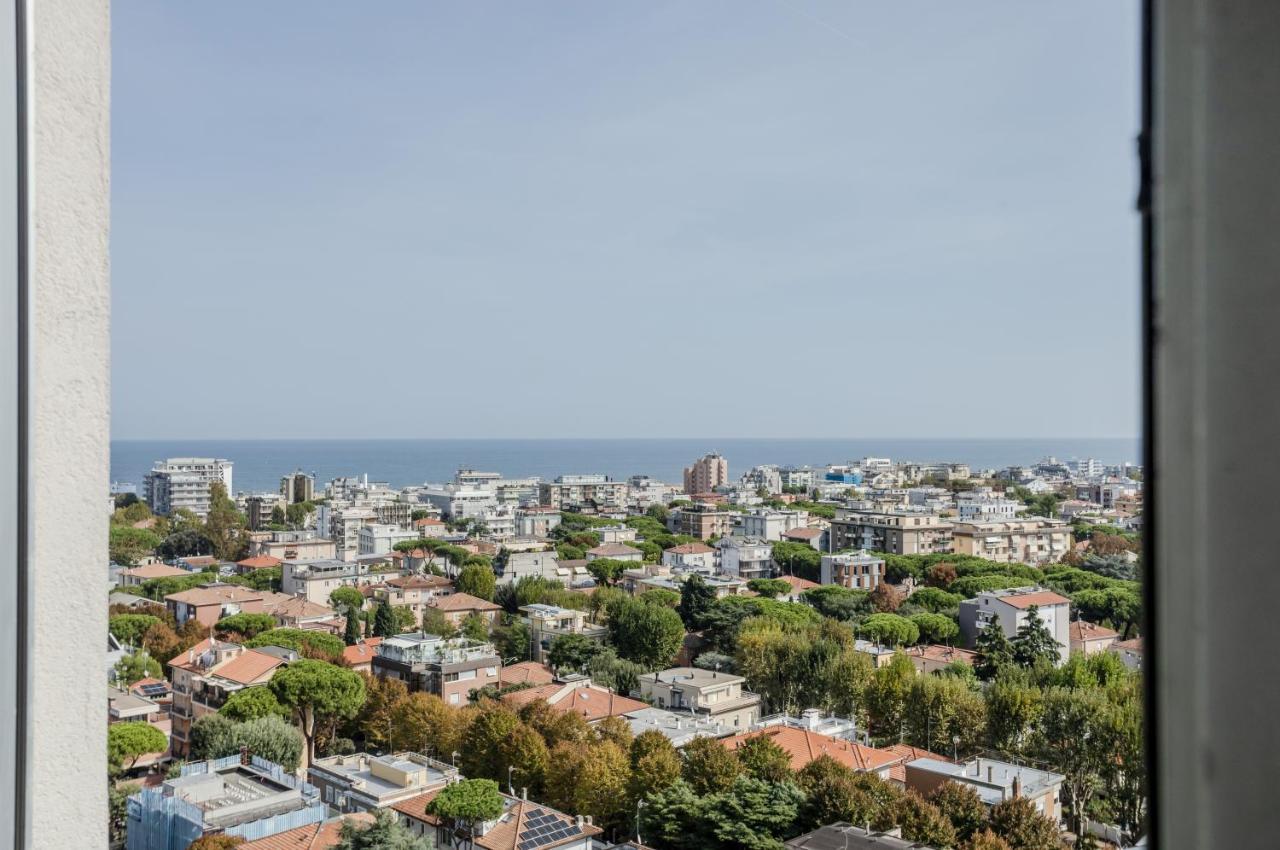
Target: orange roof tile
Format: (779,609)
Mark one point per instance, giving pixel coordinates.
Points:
(898,772)
(261,562)
(362,652)
(591,702)
(798,583)
(610,550)
(1038,598)
(316,836)
(690,549)
(215,595)
(147,571)
(463,602)
(530,672)
(945,654)
(248,668)
(1084,630)
(804,746)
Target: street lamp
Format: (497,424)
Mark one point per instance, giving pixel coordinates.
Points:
(453,759)
(955,747)
(640,804)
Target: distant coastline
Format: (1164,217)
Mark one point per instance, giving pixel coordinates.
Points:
(400,462)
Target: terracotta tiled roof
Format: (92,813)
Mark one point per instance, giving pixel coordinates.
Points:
(362,652)
(1134,645)
(416,582)
(526,671)
(898,772)
(247,668)
(804,746)
(216,595)
(316,836)
(416,807)
(506,834)
(299,607)
(1039,599)
(463,602)
(147,571)
(805,533)
(426,521)
(611,550)
(945,654)
(690,549)
(590,702)
(798,584)
(1083,630)
(184,660)
(261,562)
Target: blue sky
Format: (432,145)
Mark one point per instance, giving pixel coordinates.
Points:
(413,219)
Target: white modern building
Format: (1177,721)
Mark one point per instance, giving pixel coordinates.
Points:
(182,483)
(380,538)
(1010,609)
(746,557)
(769,524)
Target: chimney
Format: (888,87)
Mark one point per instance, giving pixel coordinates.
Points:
(588,820)
(989,774)
(579,821)
(245,758)
(524,793)
(1017,785)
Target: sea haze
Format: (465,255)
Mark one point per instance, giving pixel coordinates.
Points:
(259,464)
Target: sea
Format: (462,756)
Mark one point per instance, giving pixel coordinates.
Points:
(259,464)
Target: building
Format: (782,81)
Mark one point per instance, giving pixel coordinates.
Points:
(810,536)
(414,592)
(243,796)
(365,783)
(536,520)
(707,473)
(615,552)
(855,570)
(616,533)
(359,656)
(298,487)
(985,505)
(770,524)
(135,576)
(899,532)
(517,565)
(935,657)
(381,539)
(450,668)
(548,622)
(1032,540)
(577,695)
(522,825)
(183,483)
(995,781)
(456,607)
(704,693)
(207,674)
(1088,638)
(804,745)
(583,491)
(745,557)
(291,546)
(702,520)
(800,478)
(259,510)
(694,557)
(526,673)
(1130,652)
(846,836)
(314,836)
(209,603)
(1010,608)
(767,478)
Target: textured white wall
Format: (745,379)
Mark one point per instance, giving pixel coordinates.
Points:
(70,56)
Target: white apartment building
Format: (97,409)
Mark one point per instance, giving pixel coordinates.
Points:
(693,557)
(767,477)
(520,565)
(854,570)
(535,521)
(770,524)
(380,538)
(315,580)
(460,501)
(985,505)
(746,557)
(797,476)
(1010,607)
(183,483)
(569,491)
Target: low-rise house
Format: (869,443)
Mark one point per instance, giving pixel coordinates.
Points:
(207,674)
(456,607)
(1011,607)
(431,527)
(854,570)
(522,825)
(798,587)
(359,656)
(679,728)
(707,693)
(746,557)
(257,562)
(615,552)
(771,524)
(1088,638)
(314,836)
(209,603)
(123,706)
(880,655)
(804,746)
(693,557)
(298,612)
(365,783)
(1130,652)
(414,592)
(450,668)
(135,576)
(548,622)
(995,781)
(935,657)
(244,796)
(898,773)
(526,673)
(721,584)
(579,696)
(808,535)
(615,533)
(292,545)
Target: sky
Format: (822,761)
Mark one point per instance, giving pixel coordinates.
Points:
(626,219)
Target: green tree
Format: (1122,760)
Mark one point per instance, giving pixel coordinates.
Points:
(1071,735)
(696,599)
(655,764)
(606,571)
(525,751)
(216,841)
(477,580)
(127,545)
(962,806)
(252,703)
(346,599)
(935,600)
(887,696)
(1034,643)
(572,652)
(138,666)
(307,642)
(985,840)
(128,742)
(130,628)
(384,622)
(840,603)
(271,738)
(436,622)
(351,629)
(798,559)
(476,626)
(244,626)
(922,821)
(769,587)
(317,693)
(1013,710)
(591,778)
(385,833)
(994,651)
(213,736)
(709,767)
(464,806)
(889,630)
(649,635)
(936,628)
(224,525)
(483,744)
(763,759)
(1022,827)
(118,807)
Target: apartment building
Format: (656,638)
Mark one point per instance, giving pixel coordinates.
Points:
(239,796)
(770,524)
(703,693)
(994,780)
(517,565)
(801,477)
(1010,608)
(184,483)
(297,487)
(381,538)
(457,607)
(548,622)
(206,675)
(450,668)
(899,532)
(291,546)
(315,580)
(746,557)
(209,603)
(854,570)
(695,557)
(536,521)
(361,782)
(1031,540)
(521,825)
(702,520)
(579,491)
(985,505)
(706,474)
(259,509)
(767,478)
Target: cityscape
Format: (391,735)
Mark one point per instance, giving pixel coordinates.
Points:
(875,652)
